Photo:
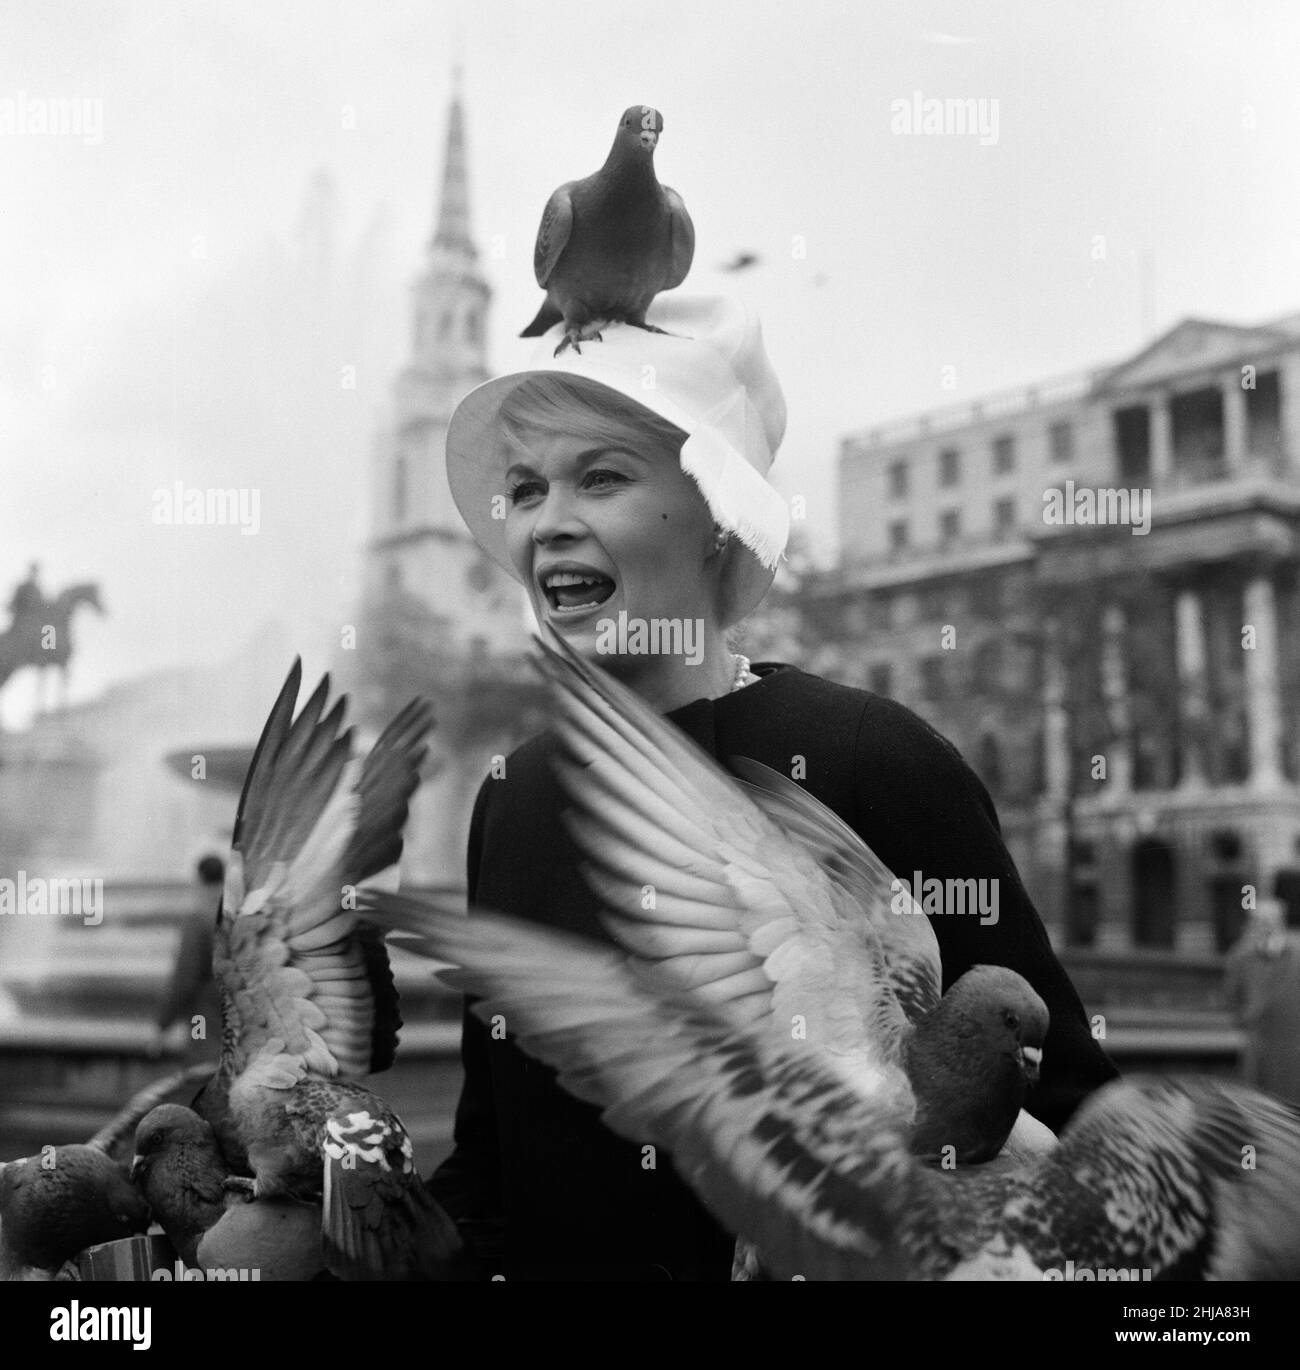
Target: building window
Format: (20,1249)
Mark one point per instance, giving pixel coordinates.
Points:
(933,683)
(1004,454)
(898,536)
(949,466)
(1264,420)
(400,491)
(986,668)
(1060,438)
(444,324)
(1196,423)
(1133,443)
(1004,517)
(990,763)
(471,327)
(880,679)
(986,595)
(897,479)
(949,526)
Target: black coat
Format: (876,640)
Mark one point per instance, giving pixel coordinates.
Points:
(537,1183)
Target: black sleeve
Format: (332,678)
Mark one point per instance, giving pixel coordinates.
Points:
(467,1183)
(932,814)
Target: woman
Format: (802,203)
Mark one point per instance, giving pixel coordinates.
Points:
(628,486)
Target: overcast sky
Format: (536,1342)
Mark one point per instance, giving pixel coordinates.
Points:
(163,318)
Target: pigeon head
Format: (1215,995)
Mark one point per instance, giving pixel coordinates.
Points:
(639,130)
(1000,1007)
(64,1200)
(167,1128)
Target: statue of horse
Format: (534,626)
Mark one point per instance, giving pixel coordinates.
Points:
(42,637)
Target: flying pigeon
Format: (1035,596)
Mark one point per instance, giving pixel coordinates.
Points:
(740,262)
(308,1001)
(608,244)
(56,1203)
(773,912)
(1183,1179)
(180,1170)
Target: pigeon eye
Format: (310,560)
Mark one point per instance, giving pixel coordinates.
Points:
(1011,1020)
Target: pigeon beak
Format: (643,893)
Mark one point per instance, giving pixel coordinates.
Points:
(137,1165)
(1031,1059)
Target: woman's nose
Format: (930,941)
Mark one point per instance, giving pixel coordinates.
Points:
(556,517)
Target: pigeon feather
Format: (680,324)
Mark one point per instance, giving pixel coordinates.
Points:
(1151,1174)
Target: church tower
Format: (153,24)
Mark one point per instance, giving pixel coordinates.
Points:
(419,546)
(438,617)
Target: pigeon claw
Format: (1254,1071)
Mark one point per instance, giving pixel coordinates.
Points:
(577,334)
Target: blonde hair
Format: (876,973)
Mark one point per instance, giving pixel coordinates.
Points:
(571,405)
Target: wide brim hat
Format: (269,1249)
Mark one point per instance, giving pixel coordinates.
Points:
(708,374)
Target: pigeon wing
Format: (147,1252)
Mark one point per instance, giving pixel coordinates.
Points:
(698,878)
(1188,1178)
(909,947)
(780,1149)
(377,1219)
(553,232)
(682,239)
(290,957)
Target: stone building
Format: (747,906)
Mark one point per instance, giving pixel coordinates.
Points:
(1091,587)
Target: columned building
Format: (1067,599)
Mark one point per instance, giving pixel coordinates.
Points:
(1092,588)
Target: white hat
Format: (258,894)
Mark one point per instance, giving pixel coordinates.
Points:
(709,375)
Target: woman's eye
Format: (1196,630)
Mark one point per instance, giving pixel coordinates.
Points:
(524,489)
(605,477)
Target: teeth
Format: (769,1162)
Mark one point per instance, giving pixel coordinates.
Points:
(554,578)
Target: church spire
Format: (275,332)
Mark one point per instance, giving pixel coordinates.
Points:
(453,211)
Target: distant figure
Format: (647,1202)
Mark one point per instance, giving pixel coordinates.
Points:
(27,598)
(191,998)
(1263,990)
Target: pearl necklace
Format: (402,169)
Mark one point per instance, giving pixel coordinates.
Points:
(743,674)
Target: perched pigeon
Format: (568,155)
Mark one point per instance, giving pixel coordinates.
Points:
(608,244)
(55,1204)
(308,1002)
(180,1170)
(773,912)
(1181,1179)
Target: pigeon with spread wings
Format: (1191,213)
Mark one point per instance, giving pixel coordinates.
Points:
(767,907)
(1149,1176)
(308,1001)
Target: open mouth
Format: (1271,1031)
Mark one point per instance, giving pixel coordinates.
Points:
(572,591)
